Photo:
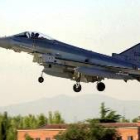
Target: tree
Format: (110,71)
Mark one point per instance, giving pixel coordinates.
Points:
(55,118)
(30,121)
(123,119)
(74,132)
(50,118)
(108,115)
(42,120)
(103,111)
(92,131)
(136,119)
(4,126)
(27,137)
(99,132)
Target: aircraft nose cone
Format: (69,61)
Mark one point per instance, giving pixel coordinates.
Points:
(4,42)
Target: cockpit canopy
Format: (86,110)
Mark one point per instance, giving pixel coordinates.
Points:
(33,35)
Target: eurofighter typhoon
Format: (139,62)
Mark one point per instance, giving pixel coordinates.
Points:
(67,61)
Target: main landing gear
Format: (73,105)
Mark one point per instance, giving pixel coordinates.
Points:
(100,87)
(77,87)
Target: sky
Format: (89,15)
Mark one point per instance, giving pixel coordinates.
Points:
(104,26)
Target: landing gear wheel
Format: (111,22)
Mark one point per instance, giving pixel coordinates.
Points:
(101,86)
(40,79)
(77,87)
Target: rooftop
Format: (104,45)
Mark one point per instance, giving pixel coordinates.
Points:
(121,124)
(54,126)
(65,126)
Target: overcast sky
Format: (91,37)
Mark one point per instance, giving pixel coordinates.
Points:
(104,26)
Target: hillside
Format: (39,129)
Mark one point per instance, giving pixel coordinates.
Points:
(75,108)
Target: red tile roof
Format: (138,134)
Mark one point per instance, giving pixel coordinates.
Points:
(54,126)
(65,126)
(121,124)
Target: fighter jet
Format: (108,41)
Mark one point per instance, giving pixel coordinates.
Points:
(67,61)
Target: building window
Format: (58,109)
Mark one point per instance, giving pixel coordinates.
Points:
(48,138)
(130,138)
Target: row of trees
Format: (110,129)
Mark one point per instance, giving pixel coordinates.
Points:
(81,131)
(9,125)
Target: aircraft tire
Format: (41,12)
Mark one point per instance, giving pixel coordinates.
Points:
(40,79)
(100,86)
(77,87)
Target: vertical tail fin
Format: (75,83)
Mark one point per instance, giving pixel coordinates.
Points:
(131,55)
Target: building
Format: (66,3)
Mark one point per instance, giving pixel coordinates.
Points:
(47,132)
(127,131)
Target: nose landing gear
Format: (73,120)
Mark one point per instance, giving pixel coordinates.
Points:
(41,79)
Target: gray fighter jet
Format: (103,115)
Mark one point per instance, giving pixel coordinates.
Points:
(66,61)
